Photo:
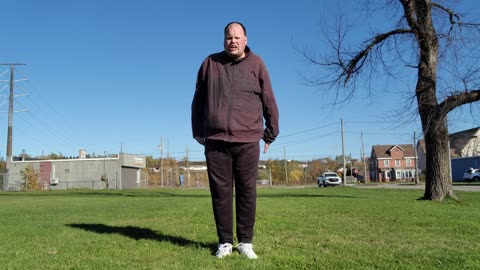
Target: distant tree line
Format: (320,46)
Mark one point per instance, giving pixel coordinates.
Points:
(52,156)
(290,172)
(306,172)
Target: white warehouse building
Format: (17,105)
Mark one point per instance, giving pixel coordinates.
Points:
(120,171)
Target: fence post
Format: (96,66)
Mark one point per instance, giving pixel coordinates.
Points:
(270,176)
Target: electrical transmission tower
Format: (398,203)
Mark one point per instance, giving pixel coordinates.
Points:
(10,109)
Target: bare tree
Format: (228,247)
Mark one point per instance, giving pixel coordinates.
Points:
(426,33)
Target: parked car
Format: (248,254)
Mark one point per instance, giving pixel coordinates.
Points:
(329,179)
(472,175)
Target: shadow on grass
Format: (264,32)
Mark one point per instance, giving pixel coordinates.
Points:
(142,233)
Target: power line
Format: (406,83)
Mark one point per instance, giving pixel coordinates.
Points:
(304,131)
(65,132)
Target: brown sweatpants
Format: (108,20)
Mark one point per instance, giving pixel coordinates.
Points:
(232,164)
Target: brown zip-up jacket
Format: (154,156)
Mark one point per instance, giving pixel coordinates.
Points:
(232,98)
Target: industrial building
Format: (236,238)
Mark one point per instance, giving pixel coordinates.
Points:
(118,171)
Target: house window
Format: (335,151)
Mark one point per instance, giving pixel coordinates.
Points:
(386,163)
(397,163)
(409,162)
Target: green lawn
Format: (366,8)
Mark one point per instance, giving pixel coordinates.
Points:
(305,228)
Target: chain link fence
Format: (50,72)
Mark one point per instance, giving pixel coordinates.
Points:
(189,179)
(172,178)
(62,185)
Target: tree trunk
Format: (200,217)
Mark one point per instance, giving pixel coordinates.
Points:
(438,182)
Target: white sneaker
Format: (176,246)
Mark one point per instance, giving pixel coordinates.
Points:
(224,250)
(246,249)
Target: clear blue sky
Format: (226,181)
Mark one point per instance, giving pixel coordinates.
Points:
(107,74)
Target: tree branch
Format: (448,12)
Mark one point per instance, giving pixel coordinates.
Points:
(355,64)
(409,11)
(454,18)
(459,99)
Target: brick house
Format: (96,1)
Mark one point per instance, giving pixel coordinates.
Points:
(392,162)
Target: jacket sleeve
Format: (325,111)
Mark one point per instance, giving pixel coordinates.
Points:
(270,109)
(198,102)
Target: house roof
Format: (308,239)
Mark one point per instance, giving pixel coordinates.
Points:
(383,151)
(469,133)
(453,151)
(473,132)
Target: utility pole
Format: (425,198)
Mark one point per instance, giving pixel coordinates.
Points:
(343,154)
(448,151)
(416,158)
(161,160)
(169,162)
(364,161)
(286,169)
(188,167)
(104,177)
(270,176)
(304,178)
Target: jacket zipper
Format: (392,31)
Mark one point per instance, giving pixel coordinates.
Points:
(230,94)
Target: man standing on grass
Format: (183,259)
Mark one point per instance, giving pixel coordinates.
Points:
(232,97)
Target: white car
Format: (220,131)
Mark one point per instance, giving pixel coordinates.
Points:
(472,175)
(329,179)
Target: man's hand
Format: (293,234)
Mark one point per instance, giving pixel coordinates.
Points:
(265,148)
(200,140)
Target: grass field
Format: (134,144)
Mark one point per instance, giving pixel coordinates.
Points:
(304,228)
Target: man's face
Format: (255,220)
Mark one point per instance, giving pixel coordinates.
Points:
(235,41)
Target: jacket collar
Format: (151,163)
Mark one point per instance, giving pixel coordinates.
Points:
(248,52)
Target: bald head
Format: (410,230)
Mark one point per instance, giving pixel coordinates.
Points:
(235,40)
(239,23)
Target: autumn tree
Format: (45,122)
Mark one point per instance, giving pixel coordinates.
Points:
(3,165)
(170,170)
(30,178)
(316,167)
(429,41)
(277,168)
(151,162)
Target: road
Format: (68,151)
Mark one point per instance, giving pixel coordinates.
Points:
(462,187)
